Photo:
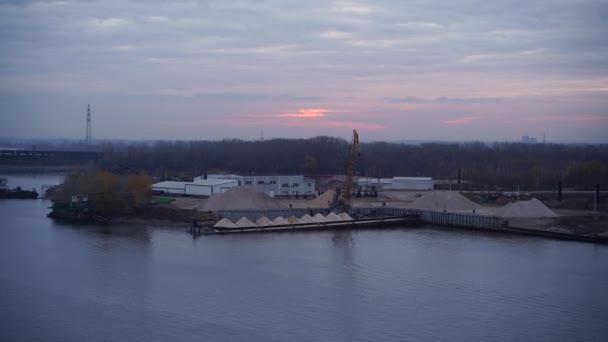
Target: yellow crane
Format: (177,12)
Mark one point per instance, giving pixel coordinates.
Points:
(347,193)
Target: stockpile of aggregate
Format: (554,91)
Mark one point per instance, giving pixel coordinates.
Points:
(307,219)
(333,217)
(279,221)
(264,221)
(240,197)
(225,223)
(244,222)
(293,220)
(444,200)
(531,208)
(323,200)
(319,218)
(345,217)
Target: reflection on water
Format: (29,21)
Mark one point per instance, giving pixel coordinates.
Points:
(68,282)
(106,231)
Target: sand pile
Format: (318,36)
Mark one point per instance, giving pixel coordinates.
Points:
(307,219)
(322,201)
(443,200)
(319,218)
(244,222)
(280,221)
(225,223)
(264,221)
(333,217)
(240,197)
(531,208)
(345,217)
(293,220)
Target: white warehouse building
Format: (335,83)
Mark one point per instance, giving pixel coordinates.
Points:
(395,183)
(206,187)
(237,178)
(281,185)
(293,185)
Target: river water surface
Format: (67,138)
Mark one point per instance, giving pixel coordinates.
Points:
(68,282)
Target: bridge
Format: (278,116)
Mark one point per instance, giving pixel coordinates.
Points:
(47,156)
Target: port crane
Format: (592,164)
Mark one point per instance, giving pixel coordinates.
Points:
(343,199)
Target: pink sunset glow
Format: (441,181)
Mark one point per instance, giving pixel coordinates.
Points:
(463,120)
(214,70)
(304,113)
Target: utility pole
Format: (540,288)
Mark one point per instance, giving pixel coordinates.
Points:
(88,138)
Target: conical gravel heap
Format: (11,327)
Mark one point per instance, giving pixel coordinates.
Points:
(293,220)
(225,223)
(444,200)
(280,221)
(333,217)
(244,222)
(322,201)
(345,217)
(241,197)
(307,219)
(531,208)
(264,221)
(319,218)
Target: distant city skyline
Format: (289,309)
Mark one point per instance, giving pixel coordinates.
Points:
(461,70)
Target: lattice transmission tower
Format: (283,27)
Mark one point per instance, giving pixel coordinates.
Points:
(88,141)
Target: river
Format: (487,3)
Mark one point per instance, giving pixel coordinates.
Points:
(70,282)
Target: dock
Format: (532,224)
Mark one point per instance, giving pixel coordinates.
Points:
(386,217)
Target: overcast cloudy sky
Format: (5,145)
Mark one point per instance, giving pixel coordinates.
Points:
(394,70)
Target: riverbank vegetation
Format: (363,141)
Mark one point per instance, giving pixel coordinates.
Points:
(108,193)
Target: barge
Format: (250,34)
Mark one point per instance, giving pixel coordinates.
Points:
(372,222)
(16,193)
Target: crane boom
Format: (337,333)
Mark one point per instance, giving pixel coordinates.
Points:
(347,193)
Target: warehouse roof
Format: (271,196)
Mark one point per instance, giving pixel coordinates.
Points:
(170,185)
(182,185)
(412,179)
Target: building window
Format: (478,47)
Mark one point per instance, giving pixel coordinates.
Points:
(260,182)
(309,184)
(285,185)
(295,185)
(273,182)
(247,182)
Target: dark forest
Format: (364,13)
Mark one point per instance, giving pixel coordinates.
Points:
(508,165)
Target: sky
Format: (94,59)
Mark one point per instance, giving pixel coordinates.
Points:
(453,70)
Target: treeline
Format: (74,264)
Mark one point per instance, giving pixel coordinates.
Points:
(506,165)
(109,194)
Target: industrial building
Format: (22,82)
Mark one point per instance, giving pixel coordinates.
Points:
(372,184)
(205,187)
(294,185)
(237,178)
(395,183)
(281,185)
